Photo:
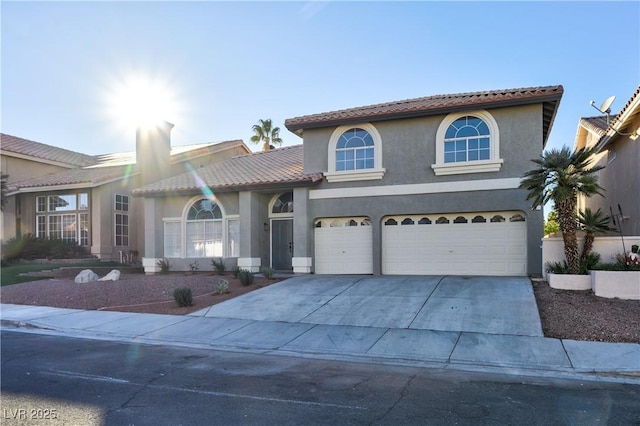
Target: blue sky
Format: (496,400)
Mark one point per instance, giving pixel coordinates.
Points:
(224,65)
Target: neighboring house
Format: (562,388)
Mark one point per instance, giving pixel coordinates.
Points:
(420,186)
(58,193)
(618,149)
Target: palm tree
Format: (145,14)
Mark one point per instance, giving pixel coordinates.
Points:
(264,132)
(560,177)
(592,223)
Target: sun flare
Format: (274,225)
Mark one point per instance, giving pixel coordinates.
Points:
(140,100)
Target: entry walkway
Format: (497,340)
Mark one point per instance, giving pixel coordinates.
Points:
(476,323)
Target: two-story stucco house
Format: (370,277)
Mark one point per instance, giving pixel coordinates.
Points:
(419,186)
(617,143)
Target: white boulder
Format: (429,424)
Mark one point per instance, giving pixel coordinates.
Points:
(86,276)
(111,276)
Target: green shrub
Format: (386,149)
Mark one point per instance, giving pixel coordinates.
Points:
(164,265)
(30,247)
(194,266)
(183,296)
(246,277)
(557,267)
(218,266)
(591,262)
(268,272)
(222,287)
(235,271)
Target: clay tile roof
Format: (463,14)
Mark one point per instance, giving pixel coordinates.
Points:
(28,148)
(438,104)
(84,177)
(277,167)
(109,167)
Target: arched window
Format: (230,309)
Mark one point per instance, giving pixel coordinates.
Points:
(283,204)
(467,139)
(355,150)
(204,232)
(467,143)
(355,153)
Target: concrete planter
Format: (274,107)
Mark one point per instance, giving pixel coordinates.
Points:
(619,284)
(569,281)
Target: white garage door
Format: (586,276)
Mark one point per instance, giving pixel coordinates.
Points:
(455,244)
(343,246)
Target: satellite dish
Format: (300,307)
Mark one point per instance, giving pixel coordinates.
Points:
(606,105)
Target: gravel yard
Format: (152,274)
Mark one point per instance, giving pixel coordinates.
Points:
(577,315)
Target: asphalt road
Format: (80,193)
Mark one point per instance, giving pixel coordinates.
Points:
(48,380)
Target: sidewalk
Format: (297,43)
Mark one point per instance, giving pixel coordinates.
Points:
(510,354)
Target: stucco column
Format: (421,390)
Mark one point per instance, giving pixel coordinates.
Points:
(302,229)
(153,236)
(250,229)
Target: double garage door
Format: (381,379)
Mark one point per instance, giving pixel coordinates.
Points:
(451,244)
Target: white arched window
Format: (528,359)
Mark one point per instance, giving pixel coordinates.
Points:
(355,153)
(467,142)
(204,230)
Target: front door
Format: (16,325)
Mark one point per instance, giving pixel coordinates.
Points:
(281,244)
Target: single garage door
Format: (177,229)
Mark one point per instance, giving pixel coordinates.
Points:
(455,244)
(343,246)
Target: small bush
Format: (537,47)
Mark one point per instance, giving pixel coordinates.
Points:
(183,296)
(246,277)
(557,267)
(218,266)
(222,287)
(164,265)
(194,266)
(589,263)
(268,272)
(235,271)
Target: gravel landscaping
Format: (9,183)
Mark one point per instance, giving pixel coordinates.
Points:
(577,315)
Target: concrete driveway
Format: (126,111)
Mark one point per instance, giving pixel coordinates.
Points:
(489,305)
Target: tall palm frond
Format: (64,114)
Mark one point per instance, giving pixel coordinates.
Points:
(592,223)
(560,177)
(267,134)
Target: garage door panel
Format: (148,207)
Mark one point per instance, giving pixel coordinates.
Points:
(489,248)
(343,249)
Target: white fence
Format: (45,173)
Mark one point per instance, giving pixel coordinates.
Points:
(608,247)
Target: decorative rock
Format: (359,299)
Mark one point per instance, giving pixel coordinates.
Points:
(111,276)
(86,276)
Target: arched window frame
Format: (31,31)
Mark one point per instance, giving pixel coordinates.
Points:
(493,164)
(375,173)
(185,224)
(272,203)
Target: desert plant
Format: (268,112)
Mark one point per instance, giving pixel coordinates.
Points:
(218,266)
(268,272)
(592,223)
(246,277)
(183,296)
(235,271)
(561,176)
(589,262)
(557,267)
(194,266)
(222,287)
(164,265)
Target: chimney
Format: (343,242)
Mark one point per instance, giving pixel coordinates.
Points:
(153,151)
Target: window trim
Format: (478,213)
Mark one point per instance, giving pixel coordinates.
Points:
(376,173)
(494,164)
(115,229)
